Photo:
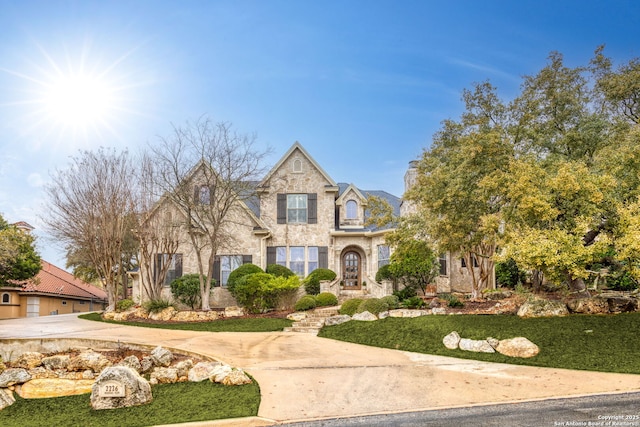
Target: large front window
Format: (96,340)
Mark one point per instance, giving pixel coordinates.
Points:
(296,260)
(297,208)
(172,264)
(312,255)
(228,263)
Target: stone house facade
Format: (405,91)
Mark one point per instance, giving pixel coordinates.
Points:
(302,219)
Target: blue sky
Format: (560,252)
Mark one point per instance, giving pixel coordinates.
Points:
(361,84)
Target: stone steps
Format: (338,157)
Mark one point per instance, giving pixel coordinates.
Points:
(314,321)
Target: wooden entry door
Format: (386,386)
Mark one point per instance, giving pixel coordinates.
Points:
(351,270)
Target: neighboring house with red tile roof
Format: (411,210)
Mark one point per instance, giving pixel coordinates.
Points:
(52,291)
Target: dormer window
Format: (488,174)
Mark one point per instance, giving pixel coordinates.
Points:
(203,194)
(297,165)
(352,209)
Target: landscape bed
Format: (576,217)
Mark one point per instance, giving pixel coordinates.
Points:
(606,343)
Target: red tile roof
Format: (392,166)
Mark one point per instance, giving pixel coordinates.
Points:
(54,280)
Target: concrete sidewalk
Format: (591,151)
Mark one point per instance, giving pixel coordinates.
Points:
(305,377)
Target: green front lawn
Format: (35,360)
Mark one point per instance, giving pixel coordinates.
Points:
(172,403)
(222,325)
(596,343)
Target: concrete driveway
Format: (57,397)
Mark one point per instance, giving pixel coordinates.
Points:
(305,377)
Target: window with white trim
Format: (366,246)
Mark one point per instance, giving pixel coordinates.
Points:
(297,208)
(296,260)
(312,259)
(228,263)
(281,255)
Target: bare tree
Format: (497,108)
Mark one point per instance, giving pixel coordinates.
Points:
(90,207)
(206,170)
(156,231)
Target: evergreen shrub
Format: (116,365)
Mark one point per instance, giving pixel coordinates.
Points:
(373,306)
(326,299)
(350,307)
(307,302)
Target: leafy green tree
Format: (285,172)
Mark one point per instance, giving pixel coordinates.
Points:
(415,264)
(18,257)
(453,209)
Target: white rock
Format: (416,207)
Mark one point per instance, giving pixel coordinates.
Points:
(477,346)
(452,340)
(364,316)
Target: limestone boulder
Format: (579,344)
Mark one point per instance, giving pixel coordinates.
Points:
(452,340)
(56,362)
(12,376)
(622,304)
(297,316)
(476,346)
(517,347)
(543,308)
(132,362)
(202,371)
(109,315)
(233,311)
(42,372)
(161,356)
(182,369)
(29,360)
(6,398)
(210,315)
(219,373)
(88,360)
(595,305)
(404,312)
(336,320)
(187,316)
(383,315)
(146,364)
(137,390)
(163,315)
(438,310)
(365,316)
(236,377)
(162,375)
(53,387)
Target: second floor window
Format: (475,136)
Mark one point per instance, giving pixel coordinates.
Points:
(352,209)
(296,208)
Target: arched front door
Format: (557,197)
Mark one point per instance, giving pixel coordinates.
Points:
(351,270)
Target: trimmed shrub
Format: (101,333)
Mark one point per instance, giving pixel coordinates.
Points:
(157,305)
(312,282)
(392,301)
(279,270)
(186,289)
(350,306)
(240,272)
(373,306)
(622,281)
(326,299)
(260,292)
(307,302)
(413,302)
(124,304)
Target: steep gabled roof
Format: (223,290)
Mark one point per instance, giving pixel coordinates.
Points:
(297,146)
(56,281)
(394,201)
(343,194)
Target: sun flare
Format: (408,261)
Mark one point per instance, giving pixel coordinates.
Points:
(78,100)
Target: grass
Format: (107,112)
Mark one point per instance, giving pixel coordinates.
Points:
(258,324)
(172,403)
(594,343)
